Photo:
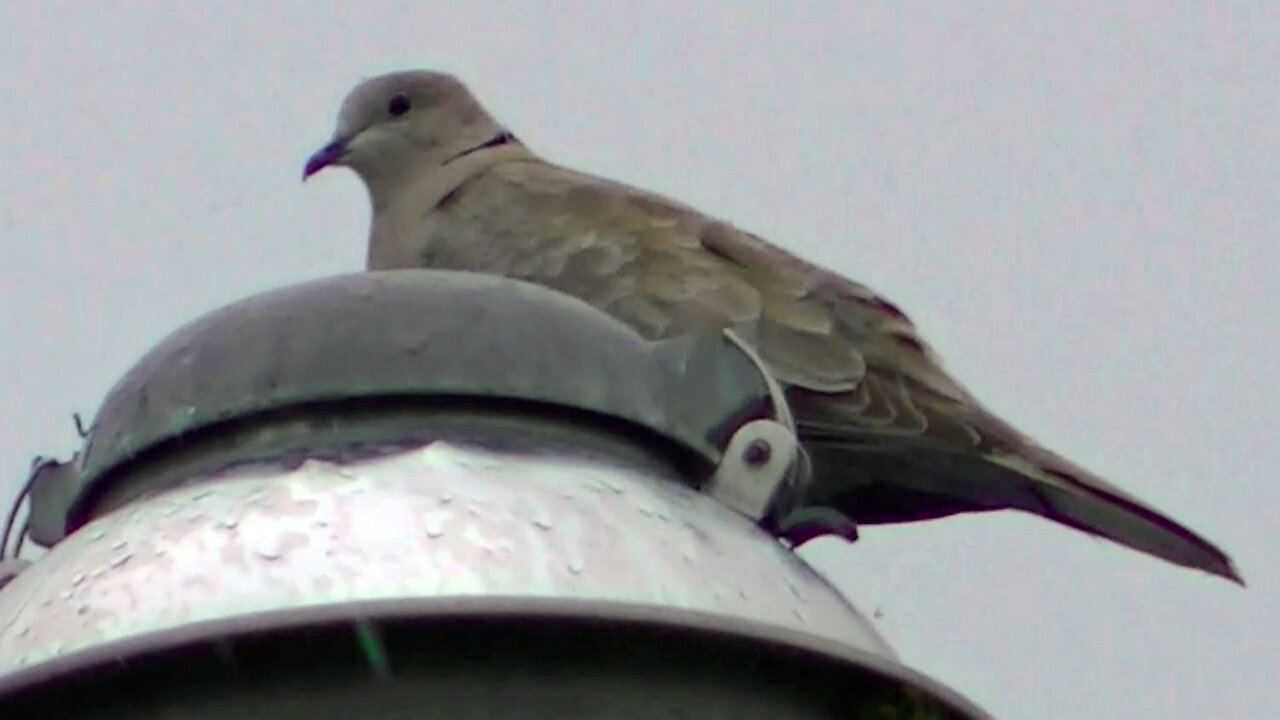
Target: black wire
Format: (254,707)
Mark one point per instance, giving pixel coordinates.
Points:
(22,535)
(12,518)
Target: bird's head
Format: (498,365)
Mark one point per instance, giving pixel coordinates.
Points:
(394,126)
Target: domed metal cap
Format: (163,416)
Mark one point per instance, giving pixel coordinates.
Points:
(414,334)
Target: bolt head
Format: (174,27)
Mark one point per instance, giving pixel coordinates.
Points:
(757,453)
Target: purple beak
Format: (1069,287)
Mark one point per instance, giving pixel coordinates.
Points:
(326,156)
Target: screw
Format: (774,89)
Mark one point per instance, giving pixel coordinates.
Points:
(757,453)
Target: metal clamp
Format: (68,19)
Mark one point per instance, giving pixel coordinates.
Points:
(765,472)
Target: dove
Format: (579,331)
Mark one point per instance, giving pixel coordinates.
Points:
(891,436)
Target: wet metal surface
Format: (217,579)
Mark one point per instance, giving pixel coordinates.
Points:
(440,521)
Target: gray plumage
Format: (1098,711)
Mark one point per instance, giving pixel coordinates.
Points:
(892,436)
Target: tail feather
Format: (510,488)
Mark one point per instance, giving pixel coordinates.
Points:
(875,477)
(1082,500)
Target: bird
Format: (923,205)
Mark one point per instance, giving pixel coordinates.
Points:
(891,436)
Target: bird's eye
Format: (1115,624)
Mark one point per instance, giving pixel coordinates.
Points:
(398,105)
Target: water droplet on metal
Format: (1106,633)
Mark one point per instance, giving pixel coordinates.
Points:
(269,548)
(542,522)
(446,497)
(796,591)
(120,545)
(576,565)
(120,559)
(434,523)
(79,578)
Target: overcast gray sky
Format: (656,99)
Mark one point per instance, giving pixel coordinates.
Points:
(1076,201)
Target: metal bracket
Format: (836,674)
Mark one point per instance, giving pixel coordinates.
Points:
(756,467)
(765,472)
(781,410)
(47,492)
(759,466)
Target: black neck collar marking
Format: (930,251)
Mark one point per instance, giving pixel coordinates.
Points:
(502,138)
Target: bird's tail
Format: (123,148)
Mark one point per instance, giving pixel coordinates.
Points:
(875,475)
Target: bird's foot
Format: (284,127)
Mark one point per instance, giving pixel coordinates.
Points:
(800,526)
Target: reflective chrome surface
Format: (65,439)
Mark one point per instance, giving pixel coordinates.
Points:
(440,521)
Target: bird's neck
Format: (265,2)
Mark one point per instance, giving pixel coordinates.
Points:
(400,206)
(425,182)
